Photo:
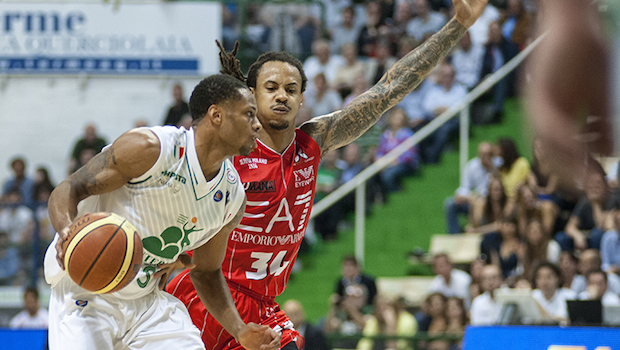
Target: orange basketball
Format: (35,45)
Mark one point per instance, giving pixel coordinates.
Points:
(103,252)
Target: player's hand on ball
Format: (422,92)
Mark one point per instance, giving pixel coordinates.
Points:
(183,262)
(63,235)
(259,337)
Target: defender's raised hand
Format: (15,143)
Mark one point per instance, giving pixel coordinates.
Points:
(468,11)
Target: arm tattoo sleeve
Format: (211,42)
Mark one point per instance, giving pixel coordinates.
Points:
(340,128)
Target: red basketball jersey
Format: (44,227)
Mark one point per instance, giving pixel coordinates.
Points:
(280,190)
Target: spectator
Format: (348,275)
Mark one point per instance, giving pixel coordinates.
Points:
(457,319)
(322,98)
(485,310)
(313,336)
(549,292)
(439,98)
(504,248)
(610,246)
(488,210)
(322,61)
(360,85)
(353,67)
(541,177)
(351,165)
(497,52)
(596,289)
(539,247)
(515,169)
(448,280)
(33,316)
(475,271)
(327,180)
(372,31)
(530,207)
(407,163)
(19,181)
(389,318)
(398,28)
(474,185)
(347,314)
(590,259)
(351,275)
(518,24)
(90,144)
(43,186)
(412,105)
(16,219)
(569,264)
(467,62)
(589,220)
(346,32)
(381,62)
(9,260)
(438,322)
(426,22)
(479,31)
(178,108)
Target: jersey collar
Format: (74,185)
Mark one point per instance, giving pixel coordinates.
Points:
(202,187)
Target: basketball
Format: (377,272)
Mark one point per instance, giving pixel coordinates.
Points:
(103,252)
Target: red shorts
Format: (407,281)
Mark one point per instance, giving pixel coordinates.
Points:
(252,308)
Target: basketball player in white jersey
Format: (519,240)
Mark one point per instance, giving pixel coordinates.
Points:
(180,191)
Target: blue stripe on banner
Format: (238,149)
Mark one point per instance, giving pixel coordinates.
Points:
(96,65)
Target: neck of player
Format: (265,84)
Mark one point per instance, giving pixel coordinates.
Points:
(210,153)
(278,140)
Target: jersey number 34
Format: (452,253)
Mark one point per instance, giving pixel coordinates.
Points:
(263,261)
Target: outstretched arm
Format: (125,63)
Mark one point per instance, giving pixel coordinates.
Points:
(342,127)
(130,156)
(214,293)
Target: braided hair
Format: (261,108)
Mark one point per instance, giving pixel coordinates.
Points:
(231,65)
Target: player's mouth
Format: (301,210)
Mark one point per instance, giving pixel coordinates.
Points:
(280,109)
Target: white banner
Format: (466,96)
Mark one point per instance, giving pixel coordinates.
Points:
(133,39)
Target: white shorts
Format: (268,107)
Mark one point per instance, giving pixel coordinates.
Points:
(82,320)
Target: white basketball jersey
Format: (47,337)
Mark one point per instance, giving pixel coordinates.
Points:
(173,207)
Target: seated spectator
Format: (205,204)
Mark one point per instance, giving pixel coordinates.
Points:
(504,248)
(518,24)
(475,271)
(610,246)
(90,144)
(19,181)
(407,163)
(448,280)
(351,165)
(372,31)
(474,185)
(590,259)
(313,336)
(479,31)
(347,315)
(322,98)
(322,61)
(178,109)
(542,180)
(353,67)
(351,275)
(9,260)
(539,247)
(589,220)
(380,63)
(439,98)
(457,319)
(549,292)
(596,289)
(497,52)
(515,169)
(467,62)
(530,207)
(16,219)
(569,265)
(345,32)
(388,318)
(412,105)
(327,180)
(403,14)
(485,310)
(42,186)
(360,85)
(488,211)
(426,22)
(438,321)
(33,316)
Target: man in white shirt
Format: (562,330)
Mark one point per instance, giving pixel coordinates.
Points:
(426,22)
(467,62)
(438,99)
(322,61)
(33,316)
(596,289)
(449,281)
(589,260)
(485,310)
(474,184)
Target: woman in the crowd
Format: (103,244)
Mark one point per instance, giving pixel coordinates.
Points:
(487,211)
(539,247)
(549,293)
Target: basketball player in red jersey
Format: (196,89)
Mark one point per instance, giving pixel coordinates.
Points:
(279,175)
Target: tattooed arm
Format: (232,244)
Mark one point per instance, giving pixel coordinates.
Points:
(130,156)
(337,129)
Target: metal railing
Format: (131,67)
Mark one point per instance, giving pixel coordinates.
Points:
(358,182)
